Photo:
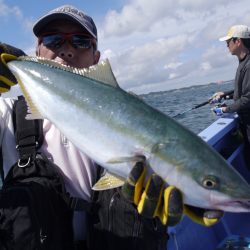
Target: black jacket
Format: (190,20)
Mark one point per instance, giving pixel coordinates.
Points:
(241,95)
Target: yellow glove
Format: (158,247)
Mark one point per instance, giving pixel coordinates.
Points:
(7,79)
(156,200)
(163,201)
(202,216)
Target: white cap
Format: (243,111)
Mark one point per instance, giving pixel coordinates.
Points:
(239,31)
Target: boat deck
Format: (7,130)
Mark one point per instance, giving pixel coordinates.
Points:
(233,230)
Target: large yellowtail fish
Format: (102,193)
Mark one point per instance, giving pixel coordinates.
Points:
(116,129)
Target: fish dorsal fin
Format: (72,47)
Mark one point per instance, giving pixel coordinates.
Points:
(101,72)
(108,181)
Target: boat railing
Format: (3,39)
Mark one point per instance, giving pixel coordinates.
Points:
(224,136)
(218,129)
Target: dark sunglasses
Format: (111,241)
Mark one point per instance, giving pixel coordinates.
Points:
(229,40)
(77,40)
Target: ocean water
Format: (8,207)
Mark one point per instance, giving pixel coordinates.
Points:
(177,101)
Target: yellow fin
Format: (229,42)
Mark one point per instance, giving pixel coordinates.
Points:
(108,181)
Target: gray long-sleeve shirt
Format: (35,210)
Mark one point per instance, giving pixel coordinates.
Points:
(241,96)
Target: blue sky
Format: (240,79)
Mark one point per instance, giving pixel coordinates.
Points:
(152,45)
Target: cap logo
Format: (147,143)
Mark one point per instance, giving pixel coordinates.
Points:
(68,9)
(231,32)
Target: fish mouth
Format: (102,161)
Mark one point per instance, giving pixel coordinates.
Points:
(237,206)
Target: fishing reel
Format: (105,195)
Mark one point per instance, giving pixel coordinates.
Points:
(218,108)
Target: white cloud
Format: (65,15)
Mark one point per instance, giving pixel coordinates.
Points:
(13,13)
(172,75)
(173,65)
(144,64)
(108,53)
(136,16)
(165,44)
(143,15)
(7,11)
(206,66)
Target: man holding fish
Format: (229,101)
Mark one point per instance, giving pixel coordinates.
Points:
(129,217)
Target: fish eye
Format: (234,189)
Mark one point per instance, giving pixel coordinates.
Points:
(210,182)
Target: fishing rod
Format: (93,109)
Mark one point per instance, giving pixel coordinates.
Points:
(225,96)
(195,107)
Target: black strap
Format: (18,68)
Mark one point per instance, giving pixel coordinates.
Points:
(28,133)
(1,165)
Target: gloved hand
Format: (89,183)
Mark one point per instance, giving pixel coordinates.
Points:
(202,216)
(218,111)
(161,200)
(7,79)
(216,98)
(156,200)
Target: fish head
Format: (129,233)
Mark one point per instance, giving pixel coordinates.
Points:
(204,177)
(217,187)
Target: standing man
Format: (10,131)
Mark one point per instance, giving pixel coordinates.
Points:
(238,43)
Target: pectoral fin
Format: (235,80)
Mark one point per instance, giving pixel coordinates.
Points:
(136,158)
(108,181)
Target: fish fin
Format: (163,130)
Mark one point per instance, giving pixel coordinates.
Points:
(102,72)
(136,158)
(108,181)
(32,111)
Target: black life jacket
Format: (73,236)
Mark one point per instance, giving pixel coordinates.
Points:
(35,209)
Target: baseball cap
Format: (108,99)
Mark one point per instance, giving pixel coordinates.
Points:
(70,13)
(239,31)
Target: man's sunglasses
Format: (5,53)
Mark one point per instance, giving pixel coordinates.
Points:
(78,40)
(229,40)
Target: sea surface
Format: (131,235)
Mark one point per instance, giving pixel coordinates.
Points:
(176,101)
